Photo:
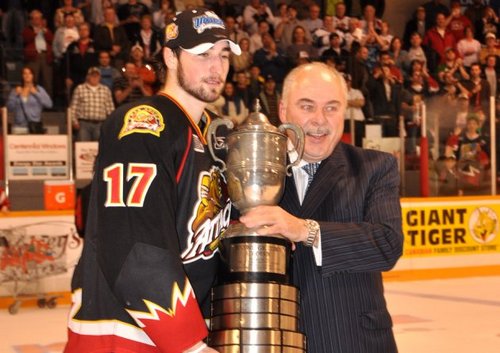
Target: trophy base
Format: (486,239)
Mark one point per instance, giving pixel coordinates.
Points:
(255,318)
(249,257)
(257,341)
(257,349)
(255,309)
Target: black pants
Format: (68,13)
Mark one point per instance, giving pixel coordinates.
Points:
(35,127)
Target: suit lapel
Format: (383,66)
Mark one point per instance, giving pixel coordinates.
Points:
(290,201)
(328,175)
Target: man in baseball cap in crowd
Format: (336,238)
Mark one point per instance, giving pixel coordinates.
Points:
(143,281)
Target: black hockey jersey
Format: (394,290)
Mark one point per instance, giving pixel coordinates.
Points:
(157,207)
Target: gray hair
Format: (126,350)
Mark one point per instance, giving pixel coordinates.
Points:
(314,67)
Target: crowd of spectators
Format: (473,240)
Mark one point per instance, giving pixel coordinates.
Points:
(448,53)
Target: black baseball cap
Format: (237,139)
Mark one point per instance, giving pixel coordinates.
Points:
(196,31)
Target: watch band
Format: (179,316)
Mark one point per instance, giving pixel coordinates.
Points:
(313,232)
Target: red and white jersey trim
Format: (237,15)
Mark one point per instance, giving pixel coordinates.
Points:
(104,327)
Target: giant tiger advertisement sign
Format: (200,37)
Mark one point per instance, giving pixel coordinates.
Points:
(450,233)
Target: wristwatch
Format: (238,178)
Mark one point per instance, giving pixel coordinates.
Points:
(313,232)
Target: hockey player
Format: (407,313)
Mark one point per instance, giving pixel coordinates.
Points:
(157,202)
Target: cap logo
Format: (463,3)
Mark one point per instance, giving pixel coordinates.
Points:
(206,21)
(171,32)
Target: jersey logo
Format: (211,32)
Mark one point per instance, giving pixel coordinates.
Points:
(142,119)
(211,217)
(208,20)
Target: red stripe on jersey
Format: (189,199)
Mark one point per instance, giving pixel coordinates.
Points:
(177,328)
(184,157)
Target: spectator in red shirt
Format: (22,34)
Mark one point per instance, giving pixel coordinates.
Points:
(38,56)
(457,23)
(144,70)
(438,39)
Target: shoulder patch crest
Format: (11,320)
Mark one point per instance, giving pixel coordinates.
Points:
(142,119)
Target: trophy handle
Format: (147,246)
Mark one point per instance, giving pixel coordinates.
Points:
(299,143)
(212,130)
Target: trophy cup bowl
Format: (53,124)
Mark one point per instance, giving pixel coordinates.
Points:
(256,163)
(256,167)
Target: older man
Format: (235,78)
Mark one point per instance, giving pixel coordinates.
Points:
(90,106)
(345,219)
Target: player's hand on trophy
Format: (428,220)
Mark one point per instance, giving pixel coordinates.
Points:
(274,220)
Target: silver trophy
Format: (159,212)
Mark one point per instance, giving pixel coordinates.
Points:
(255,309)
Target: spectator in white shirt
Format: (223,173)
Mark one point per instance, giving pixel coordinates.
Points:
(354,112)
(64,36)
(321,36)
(253,13)
(340,20)
(469,48)
(415,52)
(491,74)
(282,14)
(256,38)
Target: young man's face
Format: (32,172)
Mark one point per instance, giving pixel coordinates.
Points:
(270,85)
(146,23)
(340,10)
(421,15)
(450,55)
(230,23)
(475,71)
(109,15)
(84,31)
(314,12)
(335,41)
(472,125)
(104,59)
(69,21)
(440,21)
(36,19)
(491,61)
(416,40)
(203,76)
(292,13)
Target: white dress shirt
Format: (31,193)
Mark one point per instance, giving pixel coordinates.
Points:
(301,179)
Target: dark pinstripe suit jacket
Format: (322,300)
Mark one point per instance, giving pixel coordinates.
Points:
(355,198)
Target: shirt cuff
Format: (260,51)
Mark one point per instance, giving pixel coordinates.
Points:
(318,254)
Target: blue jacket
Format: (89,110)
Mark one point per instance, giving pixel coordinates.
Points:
(33,106)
